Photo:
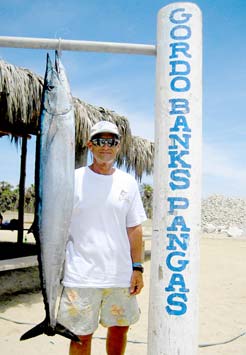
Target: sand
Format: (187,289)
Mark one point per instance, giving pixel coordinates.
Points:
(222,307)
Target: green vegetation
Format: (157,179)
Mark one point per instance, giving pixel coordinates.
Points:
(9,197)
(147,198)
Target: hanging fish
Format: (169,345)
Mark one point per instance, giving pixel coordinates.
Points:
(54,181)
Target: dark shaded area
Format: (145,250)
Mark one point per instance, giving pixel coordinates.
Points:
(11,250)
(18,282)
(12,225)
(11,299)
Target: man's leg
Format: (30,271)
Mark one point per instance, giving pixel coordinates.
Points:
(83,348)
(116,340)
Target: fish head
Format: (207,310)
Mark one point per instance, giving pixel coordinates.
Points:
(57,98)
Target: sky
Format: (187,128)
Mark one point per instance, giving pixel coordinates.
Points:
(126,83)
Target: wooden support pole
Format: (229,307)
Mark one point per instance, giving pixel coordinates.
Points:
(81,157)
(22,189)
(173,307)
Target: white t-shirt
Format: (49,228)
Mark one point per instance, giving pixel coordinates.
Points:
(98,249)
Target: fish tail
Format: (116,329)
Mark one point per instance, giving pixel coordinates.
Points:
(34,332)
(61,330)
(45,328)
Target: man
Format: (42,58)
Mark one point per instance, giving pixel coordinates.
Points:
(103,271)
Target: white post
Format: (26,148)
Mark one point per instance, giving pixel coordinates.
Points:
(173,309)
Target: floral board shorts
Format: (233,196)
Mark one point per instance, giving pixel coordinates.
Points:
(81,308)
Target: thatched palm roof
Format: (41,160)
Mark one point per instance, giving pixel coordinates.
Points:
(20,102)
(143,148)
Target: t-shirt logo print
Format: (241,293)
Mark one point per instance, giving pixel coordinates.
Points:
(124,196)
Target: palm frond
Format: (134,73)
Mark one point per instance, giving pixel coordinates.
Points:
(20,103)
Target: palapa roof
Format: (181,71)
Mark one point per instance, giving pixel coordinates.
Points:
(20,102)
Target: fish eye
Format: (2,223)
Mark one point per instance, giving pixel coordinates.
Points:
(50,87)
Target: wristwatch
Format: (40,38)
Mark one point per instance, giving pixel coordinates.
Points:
(138,268)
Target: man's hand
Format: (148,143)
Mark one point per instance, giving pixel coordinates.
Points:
(136,283)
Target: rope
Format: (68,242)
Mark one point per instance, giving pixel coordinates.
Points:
(59,45)
(15,321)
(129,341)
(136,341)
(223,342)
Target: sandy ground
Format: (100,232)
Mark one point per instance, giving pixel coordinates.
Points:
(222,306)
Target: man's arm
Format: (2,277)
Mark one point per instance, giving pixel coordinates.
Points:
(135,238)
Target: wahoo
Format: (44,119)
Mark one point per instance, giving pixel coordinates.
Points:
(54,181)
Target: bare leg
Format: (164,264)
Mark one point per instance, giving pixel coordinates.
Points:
(81,349)
(116,340)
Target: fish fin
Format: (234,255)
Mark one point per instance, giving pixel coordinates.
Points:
(61,330)
(45,328)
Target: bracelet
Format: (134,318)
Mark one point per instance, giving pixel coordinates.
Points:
(137,264)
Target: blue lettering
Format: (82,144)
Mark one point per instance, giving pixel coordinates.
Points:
(184,180)
(180,262)
(180,84)
(180,32)
(183,18)
(173,238)
(178,233)
(178,221)
(180,122)
(181,47)
(175,156)
(175,206)
(176,300)
(177,280)
(179,106)
(184,143)
(182,65)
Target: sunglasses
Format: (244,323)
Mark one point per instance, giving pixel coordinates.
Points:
(101,142)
